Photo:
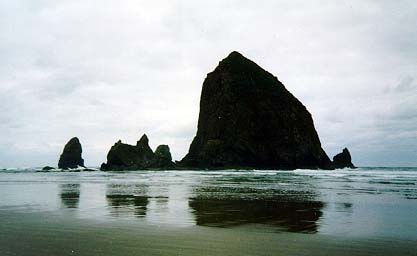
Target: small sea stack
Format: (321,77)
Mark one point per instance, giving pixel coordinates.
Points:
(163,158)
(248,119)
(71,156)
(137,157)
(343,160)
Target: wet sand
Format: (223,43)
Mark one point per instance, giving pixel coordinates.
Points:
(366,211)
(51,234)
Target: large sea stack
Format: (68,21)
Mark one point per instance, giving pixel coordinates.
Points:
(71,156)
(137,157)
(248,119)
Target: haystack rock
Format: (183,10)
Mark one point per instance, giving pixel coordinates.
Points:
(71,156)
(248,119)
(343,160)
(129,157)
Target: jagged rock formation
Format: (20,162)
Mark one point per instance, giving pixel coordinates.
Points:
(71,156)
(128,157)
(248,119)
(343,160)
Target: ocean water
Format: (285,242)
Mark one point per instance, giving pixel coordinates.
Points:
(362,204)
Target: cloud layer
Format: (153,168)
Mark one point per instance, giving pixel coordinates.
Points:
(107,70)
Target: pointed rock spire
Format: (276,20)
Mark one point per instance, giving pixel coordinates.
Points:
(71,156)
(143,141)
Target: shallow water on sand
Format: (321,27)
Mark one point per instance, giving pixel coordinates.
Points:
(365,203)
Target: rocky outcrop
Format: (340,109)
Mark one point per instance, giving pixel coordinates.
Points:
(71,156)
(248,119)
(163,158)
(128,157)
(343,160)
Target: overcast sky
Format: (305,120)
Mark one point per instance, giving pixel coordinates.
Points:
(108,70)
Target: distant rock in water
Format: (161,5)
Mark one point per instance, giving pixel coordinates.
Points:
(343,160)
(128,157)
(163,157)
(71,156)
(249,119)
(47,168)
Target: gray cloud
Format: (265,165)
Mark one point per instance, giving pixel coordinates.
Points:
(106,70)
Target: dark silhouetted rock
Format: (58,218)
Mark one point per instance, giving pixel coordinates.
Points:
(144,150)
(248,119)
(128,157)
(71,156)
(47,168)
(163,158)
(343,160)
(89,170)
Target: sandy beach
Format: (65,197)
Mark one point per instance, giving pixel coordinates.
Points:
(368,211)
(41,234)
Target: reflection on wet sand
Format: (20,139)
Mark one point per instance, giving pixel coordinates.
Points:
(127,200)
(70,195)
(287,213)
(208,205)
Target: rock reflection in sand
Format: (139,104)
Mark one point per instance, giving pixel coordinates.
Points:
(127,200)
(70,195)
(283,214)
